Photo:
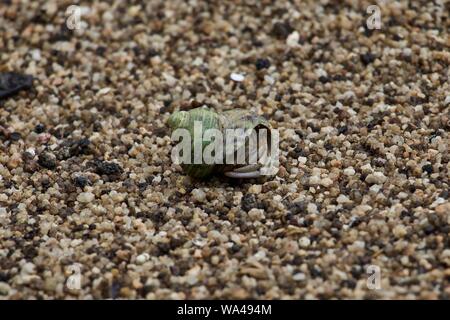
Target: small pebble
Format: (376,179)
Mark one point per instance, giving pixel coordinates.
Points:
(262,63)
(199,195)
(293,39)
(39,128)
(47,160)
(86,197)
(238,77)
(349,171)
(376,178)
(81,181)
(304,242)
(142,258)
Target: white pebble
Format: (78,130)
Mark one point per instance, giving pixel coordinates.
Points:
(31,151)
(28,268)
(296,87)
(349,171)
(4,288)
(199,195)
(157,179)
(314,180)
(343,199)
(304,242)
(292,39)
(238,77)
(192,279)
(376,178)
(359,244)
(36,55)
(171,81)
(103,91)
(447,100)
(326,182)
(142,258)
(312,208)
(375,188)
(256,214)
(256,189)
(399,231)
(117,196)
(269,79)
(86,197)
(299,277)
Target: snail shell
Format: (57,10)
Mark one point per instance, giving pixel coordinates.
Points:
(232,119)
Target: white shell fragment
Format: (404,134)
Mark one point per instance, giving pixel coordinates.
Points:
(292,39)
(238,77)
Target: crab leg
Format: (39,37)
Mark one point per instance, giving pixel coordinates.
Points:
(245,175)
(248,168)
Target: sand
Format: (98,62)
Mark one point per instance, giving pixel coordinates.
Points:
(88,188)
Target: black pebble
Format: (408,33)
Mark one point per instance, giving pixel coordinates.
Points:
(262,63)
(367,58)
(100,51)
(47,160)
(107,168)
(428,168)
(71,149)
(15,136)
(163,248)
(80,181)
(297,152)
(249,202)
(11,83)
(297,207)
(281,30)
(342,129)
(444,194)
(39,128)
(324,79)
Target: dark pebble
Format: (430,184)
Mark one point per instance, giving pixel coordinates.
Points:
(107,168)
(342,129)
(281,30)
(248,202)
(367,58)
(262,63)
(297,207)
(39,128)
(100,51)
(297,152)
(324,79)
(444,194)
(428,168)
(11,83)
(73,148)
(15,136)
(80,181)
(47,160)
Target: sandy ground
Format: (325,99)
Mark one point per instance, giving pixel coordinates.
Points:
(87,185)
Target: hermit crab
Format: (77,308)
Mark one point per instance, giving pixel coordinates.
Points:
(236,143)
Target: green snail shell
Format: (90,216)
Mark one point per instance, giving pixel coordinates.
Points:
(232,119)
